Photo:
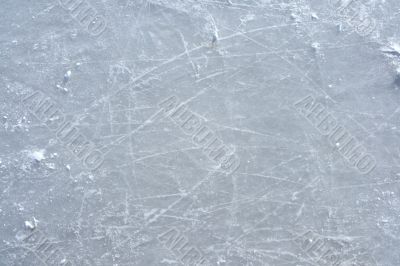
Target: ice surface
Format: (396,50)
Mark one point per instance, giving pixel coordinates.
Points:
(209,132)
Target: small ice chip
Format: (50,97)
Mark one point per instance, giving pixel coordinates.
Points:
(63,89)
(314,16)
(67,75)
(29,225)
(316,46)
(395,46)
(214,39)
(38,155)
(339,27)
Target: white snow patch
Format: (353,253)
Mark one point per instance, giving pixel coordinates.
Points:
(37,155)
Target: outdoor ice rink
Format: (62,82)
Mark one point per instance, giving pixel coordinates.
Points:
(200,132)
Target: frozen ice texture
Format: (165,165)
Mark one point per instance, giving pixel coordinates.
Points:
(298,196)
